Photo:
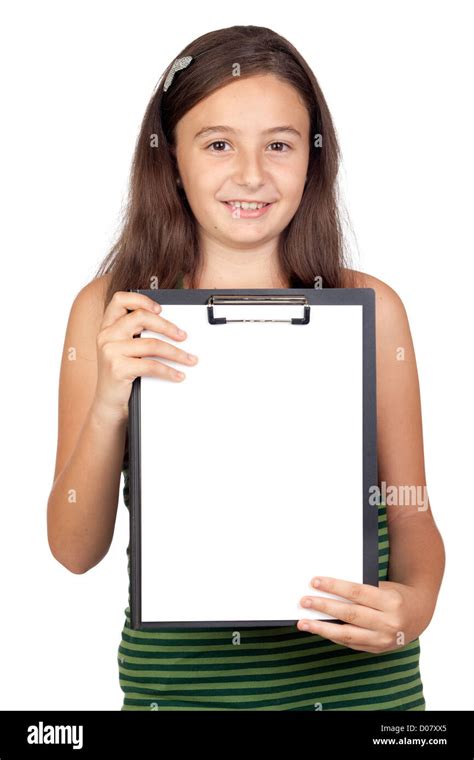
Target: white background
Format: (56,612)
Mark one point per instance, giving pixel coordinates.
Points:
(76,78)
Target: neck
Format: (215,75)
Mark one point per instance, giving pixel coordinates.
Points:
(224,267)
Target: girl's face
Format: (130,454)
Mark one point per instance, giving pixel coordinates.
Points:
(255,148)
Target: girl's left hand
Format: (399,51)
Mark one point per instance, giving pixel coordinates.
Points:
(381,618)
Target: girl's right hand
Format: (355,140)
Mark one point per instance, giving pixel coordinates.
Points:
(119,354)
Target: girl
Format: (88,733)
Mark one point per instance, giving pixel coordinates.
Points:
(240,121)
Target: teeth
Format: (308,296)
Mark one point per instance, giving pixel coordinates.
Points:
(243,204)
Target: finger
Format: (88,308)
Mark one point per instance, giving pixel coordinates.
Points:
(143,347)
(151,368)
(345,634)
(134,322)
(122,301)
(350,612)
(361,593)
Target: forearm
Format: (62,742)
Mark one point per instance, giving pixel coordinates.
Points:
(417,559)
(82,505)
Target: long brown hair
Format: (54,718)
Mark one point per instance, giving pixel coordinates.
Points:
(158,238)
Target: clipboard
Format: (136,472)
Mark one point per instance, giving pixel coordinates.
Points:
(252,475)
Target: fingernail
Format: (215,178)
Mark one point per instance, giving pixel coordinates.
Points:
(304,627)
(181,333)
(316,582)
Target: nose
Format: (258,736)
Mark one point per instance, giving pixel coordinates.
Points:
(249,171)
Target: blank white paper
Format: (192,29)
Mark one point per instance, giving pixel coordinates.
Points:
(252,467)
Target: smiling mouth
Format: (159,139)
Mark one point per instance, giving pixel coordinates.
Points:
(249,205)
(251,210)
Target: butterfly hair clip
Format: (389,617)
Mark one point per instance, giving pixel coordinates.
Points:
(179,63)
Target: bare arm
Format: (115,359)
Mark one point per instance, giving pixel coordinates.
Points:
(417,556)
(83,501)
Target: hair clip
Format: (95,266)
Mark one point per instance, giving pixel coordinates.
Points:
(179,63)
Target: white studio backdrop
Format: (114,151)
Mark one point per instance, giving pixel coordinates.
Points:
(76,79)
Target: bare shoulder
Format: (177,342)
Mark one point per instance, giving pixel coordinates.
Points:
(354,278)
(390,310)
(87,311)
(92,295)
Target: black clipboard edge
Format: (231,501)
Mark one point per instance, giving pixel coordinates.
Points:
(134,435)
(370,572)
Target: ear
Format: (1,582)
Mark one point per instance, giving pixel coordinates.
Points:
(174,158)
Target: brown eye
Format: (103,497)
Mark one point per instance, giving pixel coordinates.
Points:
(218,142)
(280,151)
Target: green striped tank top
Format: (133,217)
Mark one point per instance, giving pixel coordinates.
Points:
(278,668)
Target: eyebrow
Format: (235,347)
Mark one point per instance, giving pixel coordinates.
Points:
(205,131)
